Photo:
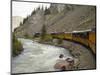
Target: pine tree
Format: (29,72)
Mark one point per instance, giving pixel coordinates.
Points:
(33,12)
(43,32)
(25,19)
(21,24)
(47,11)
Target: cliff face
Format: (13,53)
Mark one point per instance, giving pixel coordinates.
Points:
(80,18)
(58,18)
(31,25)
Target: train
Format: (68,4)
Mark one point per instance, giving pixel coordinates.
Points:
(84,37)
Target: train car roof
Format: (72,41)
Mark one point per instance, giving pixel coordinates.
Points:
(75,31)
(81,31)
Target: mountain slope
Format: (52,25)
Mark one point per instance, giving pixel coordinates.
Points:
(67,18)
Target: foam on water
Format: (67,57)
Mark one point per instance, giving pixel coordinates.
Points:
(37,57)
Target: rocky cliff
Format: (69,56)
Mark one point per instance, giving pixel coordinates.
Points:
(58,18)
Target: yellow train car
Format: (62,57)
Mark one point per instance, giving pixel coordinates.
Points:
(92,41)
(68,36)
(86,37)
(81,37)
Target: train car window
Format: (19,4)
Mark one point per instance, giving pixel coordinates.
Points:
(85,35)
(81,35)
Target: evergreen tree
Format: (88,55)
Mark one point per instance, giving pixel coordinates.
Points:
(38,8)
(34,12)
(47,11)
(21,24)
(43,32)
(25,19)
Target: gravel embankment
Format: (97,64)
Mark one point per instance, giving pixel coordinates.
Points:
(87,59)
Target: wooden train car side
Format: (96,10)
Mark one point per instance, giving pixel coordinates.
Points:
(86,38)
(92,41)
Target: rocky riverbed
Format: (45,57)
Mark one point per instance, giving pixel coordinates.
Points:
(86,59)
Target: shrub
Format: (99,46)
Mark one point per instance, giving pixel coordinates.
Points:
(60,41)
(16,46)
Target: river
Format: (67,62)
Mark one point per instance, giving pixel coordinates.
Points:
(37,57)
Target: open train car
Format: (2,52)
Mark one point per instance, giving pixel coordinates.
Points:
(85,37)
